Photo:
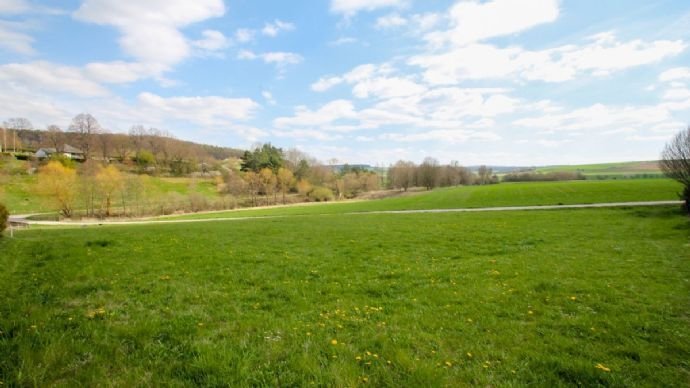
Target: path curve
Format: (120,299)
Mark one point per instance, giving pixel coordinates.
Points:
(19,220)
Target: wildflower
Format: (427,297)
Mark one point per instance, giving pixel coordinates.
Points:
(200,324)
(449,364)
(530,312)
(602,367)
(469,354)
(358,358)
(334,342)
(308,333)
(573,298)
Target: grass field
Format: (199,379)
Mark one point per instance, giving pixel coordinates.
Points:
(19,192)
(547,298)
(608,169)
(504,194)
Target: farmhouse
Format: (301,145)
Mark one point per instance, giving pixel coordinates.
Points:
(67,150)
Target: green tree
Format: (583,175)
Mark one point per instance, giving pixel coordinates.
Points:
(266,156)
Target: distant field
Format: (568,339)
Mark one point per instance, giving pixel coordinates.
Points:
(545,298)
(503,194)
(609,169)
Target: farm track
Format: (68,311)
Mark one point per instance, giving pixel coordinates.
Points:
(20,220)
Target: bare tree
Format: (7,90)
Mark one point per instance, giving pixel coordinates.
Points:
(484,173)
(675,163)
(15,124)
(85,127)
(428,173)
(105,144)
(401,175)
(137,135)
(54,137)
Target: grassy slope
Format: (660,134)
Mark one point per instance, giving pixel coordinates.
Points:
(504,194)
(514,298)
(623,168)
(19,191)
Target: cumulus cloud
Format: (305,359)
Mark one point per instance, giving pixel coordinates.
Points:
(390,21)
(352,7)
(212,41)
(13,6)
(474,21)
(277,26)
(151,29)
(674,74)
(50,77)
(12,39)
(278,58)
(202,110)
(600,57)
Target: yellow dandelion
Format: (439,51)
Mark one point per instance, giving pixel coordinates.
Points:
(200,324)
(334,342)
(530,312)
(358,358)
(602,367)
(365,379)
(573,298)
(309,333)
(449,364)
(469,354)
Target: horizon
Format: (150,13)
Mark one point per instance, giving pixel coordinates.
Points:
(539,83)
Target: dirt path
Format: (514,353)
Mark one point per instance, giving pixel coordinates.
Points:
(19,220)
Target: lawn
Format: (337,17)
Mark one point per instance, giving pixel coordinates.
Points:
(548,298)
(503,194)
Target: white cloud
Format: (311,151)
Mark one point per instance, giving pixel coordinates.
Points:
(277,26)
(342,41)
(122,72)
(387,87)
(325,116)
(426,21)
(472,21)
(50,77)
(244,35)
(279,58)
(390,21)
(676,73)
(268,96)
(13,40)
(352,7)
(598,58)
(677,94)
(151,29)
(443,135)
(599,116)
(213,41)
(325,83)
(13,6)
(207,110)
(307,134)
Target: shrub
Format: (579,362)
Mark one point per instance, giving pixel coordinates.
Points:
(321,194)
(4,215)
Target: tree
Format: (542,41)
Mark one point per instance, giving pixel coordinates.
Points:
(15,124)
(85,127)
(54,137)
(59,183)
(285,180)
(268,182)
(484,174)
(401,175)
(675,163)
(110,182)
(429,173)
(265,156)
(4,215)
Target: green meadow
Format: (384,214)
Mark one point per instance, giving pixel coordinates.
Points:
(547,298)
(612,170)
(503,194)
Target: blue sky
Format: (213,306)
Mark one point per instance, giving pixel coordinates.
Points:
(528,82)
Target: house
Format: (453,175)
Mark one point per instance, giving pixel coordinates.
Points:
(67,150)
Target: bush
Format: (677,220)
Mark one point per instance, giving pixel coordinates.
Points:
(321,194)
(4,215)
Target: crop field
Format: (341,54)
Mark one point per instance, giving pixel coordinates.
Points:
(609,169)
(564,297)
(503,194)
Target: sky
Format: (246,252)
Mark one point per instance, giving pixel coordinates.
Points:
(501,82)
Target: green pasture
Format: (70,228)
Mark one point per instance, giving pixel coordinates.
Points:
(503,194)
(608,169)
(590,297)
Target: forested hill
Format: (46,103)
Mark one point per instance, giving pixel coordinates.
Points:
(117,145)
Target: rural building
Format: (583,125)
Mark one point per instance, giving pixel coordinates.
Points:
(67,150)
